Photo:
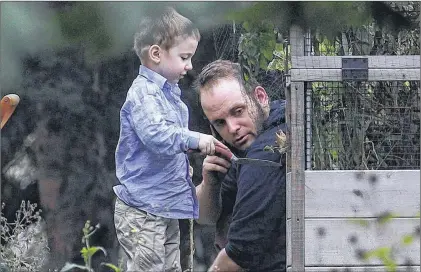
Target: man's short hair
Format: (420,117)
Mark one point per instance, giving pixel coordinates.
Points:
(162,29)
(224,69)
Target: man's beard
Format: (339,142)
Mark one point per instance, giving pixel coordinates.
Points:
(257,114)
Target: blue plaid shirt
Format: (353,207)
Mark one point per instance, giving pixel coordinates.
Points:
(151,161)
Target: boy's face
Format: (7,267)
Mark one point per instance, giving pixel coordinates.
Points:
(175,62)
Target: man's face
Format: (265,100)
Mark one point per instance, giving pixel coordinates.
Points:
(234,115)
(176,61)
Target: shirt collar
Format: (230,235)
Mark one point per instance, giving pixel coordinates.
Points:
(161,81)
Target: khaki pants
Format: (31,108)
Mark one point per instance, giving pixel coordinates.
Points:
(151,243)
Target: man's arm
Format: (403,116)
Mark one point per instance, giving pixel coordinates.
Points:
(257,225)
(224,263)
(209,191)
(209,199)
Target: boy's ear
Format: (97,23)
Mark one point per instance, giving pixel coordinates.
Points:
(154,53)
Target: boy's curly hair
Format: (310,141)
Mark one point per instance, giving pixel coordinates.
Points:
(162,29)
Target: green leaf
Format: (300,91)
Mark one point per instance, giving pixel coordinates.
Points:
(276,64)
(334,154)
(263,63)
(69,266)
(272,43)
(268,148)
(361,222)
(385,217)
(252,50)
(113,267)
(246,77)
(267,53)
(381,253)
(246,26)
(390,265)
(89,252)
(279,47)
(407,239)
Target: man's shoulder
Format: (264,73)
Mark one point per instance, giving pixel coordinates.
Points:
(279,103)
(267,138)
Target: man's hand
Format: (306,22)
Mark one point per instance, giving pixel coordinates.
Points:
(208,192)
(223,263)
(212,165)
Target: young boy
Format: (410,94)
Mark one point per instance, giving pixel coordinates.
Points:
(152,166)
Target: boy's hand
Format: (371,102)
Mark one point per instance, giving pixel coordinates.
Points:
(207,144)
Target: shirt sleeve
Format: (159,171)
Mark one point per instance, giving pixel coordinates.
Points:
(258,214)
(158,134)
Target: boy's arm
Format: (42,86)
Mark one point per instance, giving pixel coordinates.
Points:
(155,131)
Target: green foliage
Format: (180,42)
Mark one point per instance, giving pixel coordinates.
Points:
(385,218)
(328,149)
(88,251)
(259,49)
(349,116)
(113,267)
(385,255)
(407,239)
(25,29)
(19,238)
(83,25)
(333,17)
(281,143)
(256,47)
(360,222)
(324,46)
(281,60)
(322,16)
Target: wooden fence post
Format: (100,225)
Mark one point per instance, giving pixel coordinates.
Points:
(296,182)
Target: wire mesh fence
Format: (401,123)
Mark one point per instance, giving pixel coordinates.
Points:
(362,41)
(372,39)
(364,124)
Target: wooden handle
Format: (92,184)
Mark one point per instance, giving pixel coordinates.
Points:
(7,107)
(225,152)
(12,99)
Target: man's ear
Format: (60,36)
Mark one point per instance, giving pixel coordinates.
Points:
(261,95)
(154,53)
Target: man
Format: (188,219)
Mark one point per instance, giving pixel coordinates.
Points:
(247,202)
